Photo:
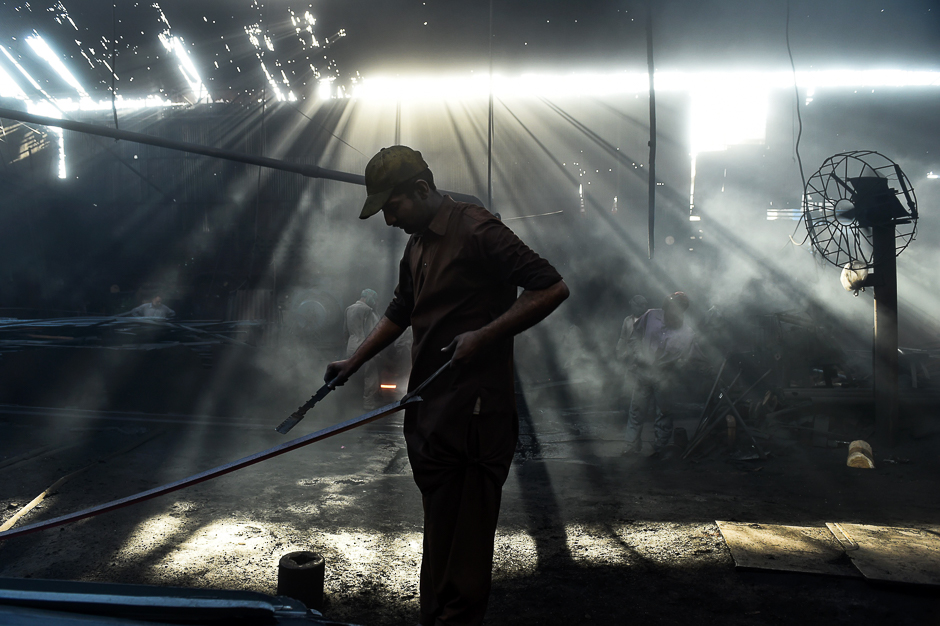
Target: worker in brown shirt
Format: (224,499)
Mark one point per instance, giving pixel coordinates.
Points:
(457,288)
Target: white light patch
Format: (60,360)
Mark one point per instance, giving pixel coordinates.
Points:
(120,103)
(325,88)
(62,14)
(583,84)
(40,47)
(262,42)
(186,67)
(49,109)
(479,85)
(253,31)
(515,552)
(274,86)
(9,88)
(932,175)
(726,116)
(149,532)
(783,214)
(594,546)
(31,80)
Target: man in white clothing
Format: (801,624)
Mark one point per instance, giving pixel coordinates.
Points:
(660,344)
(154,308)
(358,322)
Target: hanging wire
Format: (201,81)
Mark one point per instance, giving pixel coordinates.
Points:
(113,64)
(254,241)
(323,128)
(799,134)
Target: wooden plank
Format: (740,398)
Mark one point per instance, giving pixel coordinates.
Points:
(891,554)
(786,548)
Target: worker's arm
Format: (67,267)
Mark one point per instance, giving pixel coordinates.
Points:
(531,307)
(384,333)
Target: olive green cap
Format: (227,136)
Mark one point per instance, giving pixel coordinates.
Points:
(386,170)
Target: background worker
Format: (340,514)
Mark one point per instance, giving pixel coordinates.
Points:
(457,289)
(660,344)
(638,305)
(358,322)
(154,308)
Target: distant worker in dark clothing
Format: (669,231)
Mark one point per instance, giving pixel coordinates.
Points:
(660,344)
(358,322)
(457,288)
(154,308)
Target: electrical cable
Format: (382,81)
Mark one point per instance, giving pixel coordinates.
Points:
(254,241)
(799,134)
(337,137)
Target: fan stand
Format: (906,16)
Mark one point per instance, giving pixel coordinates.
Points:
(849,195)
(885,353)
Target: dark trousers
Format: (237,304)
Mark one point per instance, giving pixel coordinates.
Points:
(460,473)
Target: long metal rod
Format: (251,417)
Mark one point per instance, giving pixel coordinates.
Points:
(215,472)
(310,171)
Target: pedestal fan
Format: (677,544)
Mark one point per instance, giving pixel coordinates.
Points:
(854,215)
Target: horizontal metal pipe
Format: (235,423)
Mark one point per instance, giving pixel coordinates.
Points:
(310,171)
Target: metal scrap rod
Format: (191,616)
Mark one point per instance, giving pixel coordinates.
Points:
(216,471)
(743,425)
(703,422)
(701,418)
(701,437)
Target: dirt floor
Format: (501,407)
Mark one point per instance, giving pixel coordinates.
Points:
(586,535)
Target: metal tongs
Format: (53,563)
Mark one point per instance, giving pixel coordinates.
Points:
(295,417)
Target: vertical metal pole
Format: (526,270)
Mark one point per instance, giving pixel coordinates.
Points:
(886,333)
(489,132)
(394,244)
(652,142)
(398,123)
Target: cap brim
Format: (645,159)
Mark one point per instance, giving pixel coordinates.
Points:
(374,204)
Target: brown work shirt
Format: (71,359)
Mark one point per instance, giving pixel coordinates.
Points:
(457,276)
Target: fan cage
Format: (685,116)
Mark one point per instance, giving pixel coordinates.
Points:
(839,240)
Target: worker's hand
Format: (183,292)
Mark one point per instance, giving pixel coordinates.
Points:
(465,347)
(338,372)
